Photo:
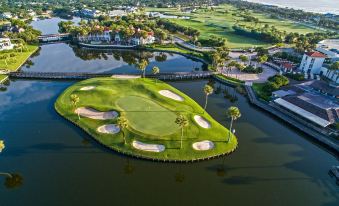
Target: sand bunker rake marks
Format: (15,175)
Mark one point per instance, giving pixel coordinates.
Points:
(109,129)
(202,122)
(171,95)
(95,114)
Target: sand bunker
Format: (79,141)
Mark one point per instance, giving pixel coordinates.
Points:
(148,147)
(171,95)
(126,76)
(94,114)
(87,88)
(202,122)
(109,129)
(203,145)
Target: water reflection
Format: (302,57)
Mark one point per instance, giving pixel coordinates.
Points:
(69,58)
(273,163)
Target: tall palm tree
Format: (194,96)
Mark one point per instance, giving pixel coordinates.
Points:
(234,114)
(156,71)
(123,124)
(182,121)
(75,100)
(142,66)
(207,90)
(13,180)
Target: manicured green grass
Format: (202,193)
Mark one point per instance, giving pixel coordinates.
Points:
(258,89)
(3,77)
(150,118)
(220,21)
(230,80)
(141,113)
(14,63)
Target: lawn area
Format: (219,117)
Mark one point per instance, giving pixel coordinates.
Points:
(220,21)
(3,77)
(14,63)
(150,115)
(258,89)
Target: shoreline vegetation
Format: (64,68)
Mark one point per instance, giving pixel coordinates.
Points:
(14,63)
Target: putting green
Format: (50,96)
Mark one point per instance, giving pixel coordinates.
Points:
(151,130)
(146,116)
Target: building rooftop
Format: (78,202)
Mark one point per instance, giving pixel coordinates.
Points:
(315,54)
(320,86)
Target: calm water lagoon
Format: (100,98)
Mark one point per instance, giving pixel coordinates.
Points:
(63,57)
(62,165)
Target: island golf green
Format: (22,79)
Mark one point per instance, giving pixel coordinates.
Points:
(150,109)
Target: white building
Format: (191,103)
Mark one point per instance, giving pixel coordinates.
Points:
(5,44)
(105,36)
(332,75)
(117,13)
(91,13)
(312,62)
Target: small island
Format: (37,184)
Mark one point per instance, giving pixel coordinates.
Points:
(145,118)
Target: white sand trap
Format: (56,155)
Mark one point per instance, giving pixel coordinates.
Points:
(171,95)
(126,76)
(203,145)
(87,88)
(202,122)
(148,147)
(94,114)
(109,129)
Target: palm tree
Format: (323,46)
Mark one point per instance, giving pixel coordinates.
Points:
(182,121)
(75,100)
(123,124)
(156,71)
(207,90)
(12,180)
(142,66)
(233,113)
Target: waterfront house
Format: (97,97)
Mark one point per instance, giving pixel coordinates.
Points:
(312,62)
(105,36)
(117,37)
(5,44)
(138,39)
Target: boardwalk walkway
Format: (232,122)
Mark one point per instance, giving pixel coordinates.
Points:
(292,120)
(83,75)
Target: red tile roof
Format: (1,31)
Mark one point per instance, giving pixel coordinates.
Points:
(316,54)
(287,65)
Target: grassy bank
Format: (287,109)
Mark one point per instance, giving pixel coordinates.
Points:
(3,78)
(259,91)
(14,63)
(150,116)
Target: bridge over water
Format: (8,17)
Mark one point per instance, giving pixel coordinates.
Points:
(54,37)
(84,75)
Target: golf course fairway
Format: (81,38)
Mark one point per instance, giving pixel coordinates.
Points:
(150,109)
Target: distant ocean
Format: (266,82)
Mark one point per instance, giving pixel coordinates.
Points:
(317,6)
